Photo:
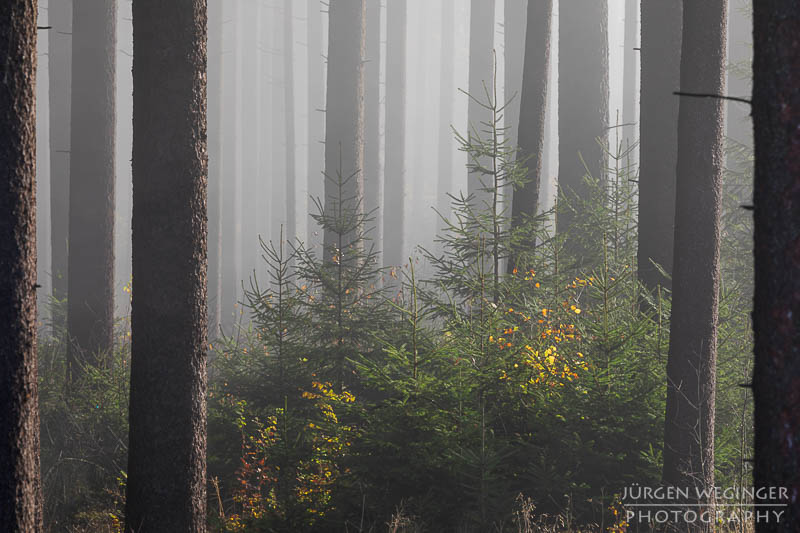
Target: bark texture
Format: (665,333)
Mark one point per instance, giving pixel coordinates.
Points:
(582,99)
(20,485)
(691,366)
(394,199)
(533,107)
(90,307)
(344,110)
(167,450)
(60,64)
(661,74)
(776,194)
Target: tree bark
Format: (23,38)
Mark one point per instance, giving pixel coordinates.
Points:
(344,109)
(394,192)
(167,451)
(533,107)
(60,66)
(373,180)
(514,53)
(691,366)
(661,74)
(776,197)
(90,307)
(215,166)
(20,485)
(583,99)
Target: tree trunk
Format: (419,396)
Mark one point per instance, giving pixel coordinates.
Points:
(373,182)
(583,100)
(90,307)
(394,191)
(740,32)
(691,366)
(481,81)
(215,162)
(344,108)
(447,95)
(533,107)
(20,485)
(288,98)
(231,169)
(253,162)
(167,451)
(776,195)
(316,119)
(630,58)
(661,74)
(60,61)
(514,31)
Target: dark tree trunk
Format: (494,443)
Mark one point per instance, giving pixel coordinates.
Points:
(630,62)
(167,451)
(481,81)
(394,190)
(373,182)
(661,74)
(447,95)
(215,176)
(60,65)
(776,195)
(288,98)
(316,118)
(582,99)
(90,307)
(533,106)
(344,109)
(20,486)
(514,31)
(230,169)
(691,367)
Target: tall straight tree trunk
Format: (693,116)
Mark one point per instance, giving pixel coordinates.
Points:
(275,109)
(582,99)
(533,107)
(691,366)
(776,195)
(373,182)
(661,74)
(230,169)
(447,94)
(167,451)
(394,190)
(481,81)
(288,98)
(215,166)
(60,66)
(20,484)
(250,12)
(514,22)
(316,118)
(90,308)
(629,69)
(344,109)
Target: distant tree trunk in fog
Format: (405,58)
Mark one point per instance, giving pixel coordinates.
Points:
(661,74)
(740,30)
(691,366)
(288,95)
(629,59)
(316,117)
(60,65)
(344,108)
(167,452)
(447,95)
(20,485)
(230,169)
(90,307)
(776,196)
(373,183)
(251,126)
(481,80)
(215,175)
(273,114)
(515,16)
(394,190)
(533,107)
(582,99)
